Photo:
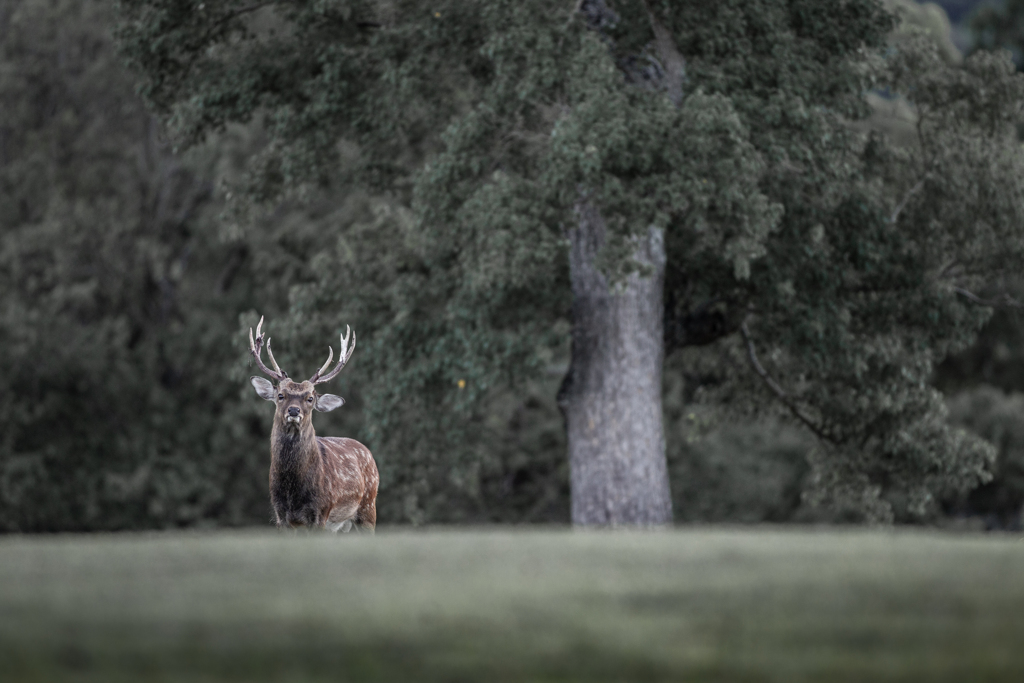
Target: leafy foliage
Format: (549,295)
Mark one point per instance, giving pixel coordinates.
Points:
(999,26)
(837,263)
(995,415)
(822,258)
(116,300)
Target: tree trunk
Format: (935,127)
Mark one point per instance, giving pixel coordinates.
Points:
(611,396)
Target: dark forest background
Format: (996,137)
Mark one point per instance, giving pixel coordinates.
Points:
(129,274)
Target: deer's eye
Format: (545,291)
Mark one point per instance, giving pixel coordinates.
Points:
(280,397)
(309,400)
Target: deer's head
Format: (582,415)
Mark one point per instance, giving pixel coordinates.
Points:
(296,401)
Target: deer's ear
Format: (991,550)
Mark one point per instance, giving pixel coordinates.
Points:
(325,403)
(265,388)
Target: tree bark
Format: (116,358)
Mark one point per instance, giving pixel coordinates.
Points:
(611,395)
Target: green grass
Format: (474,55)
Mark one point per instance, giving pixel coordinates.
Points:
(504,605)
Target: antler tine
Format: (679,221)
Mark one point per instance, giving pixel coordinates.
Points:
(273,361)
(330,357)
(344,353)
(255,345)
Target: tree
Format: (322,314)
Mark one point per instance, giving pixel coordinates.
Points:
(999,26)
(117,300)
(555,158)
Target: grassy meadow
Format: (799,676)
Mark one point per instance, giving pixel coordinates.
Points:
(509,605)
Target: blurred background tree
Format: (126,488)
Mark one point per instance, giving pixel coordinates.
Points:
(118,300)
(999,25)
(131,272)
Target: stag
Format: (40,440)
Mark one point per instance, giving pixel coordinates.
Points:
(315,481)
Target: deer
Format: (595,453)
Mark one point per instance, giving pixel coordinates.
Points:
(320,482)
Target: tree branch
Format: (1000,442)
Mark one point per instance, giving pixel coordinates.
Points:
(776,389)
(671,58)
(577,7)
(949,268)
(1005,301)
(906,198)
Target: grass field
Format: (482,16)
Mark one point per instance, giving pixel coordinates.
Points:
(505,605)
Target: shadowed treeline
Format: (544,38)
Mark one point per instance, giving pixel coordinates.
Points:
(129,273)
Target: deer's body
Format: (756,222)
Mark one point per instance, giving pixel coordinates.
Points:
(314,481)
(322,481)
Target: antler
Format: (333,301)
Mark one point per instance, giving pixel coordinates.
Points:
(344,353)
(254,348)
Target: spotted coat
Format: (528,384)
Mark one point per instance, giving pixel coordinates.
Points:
(327,482)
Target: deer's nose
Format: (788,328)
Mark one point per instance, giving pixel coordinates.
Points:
(293,412)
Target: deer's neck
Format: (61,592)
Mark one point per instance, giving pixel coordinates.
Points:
(294,450)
